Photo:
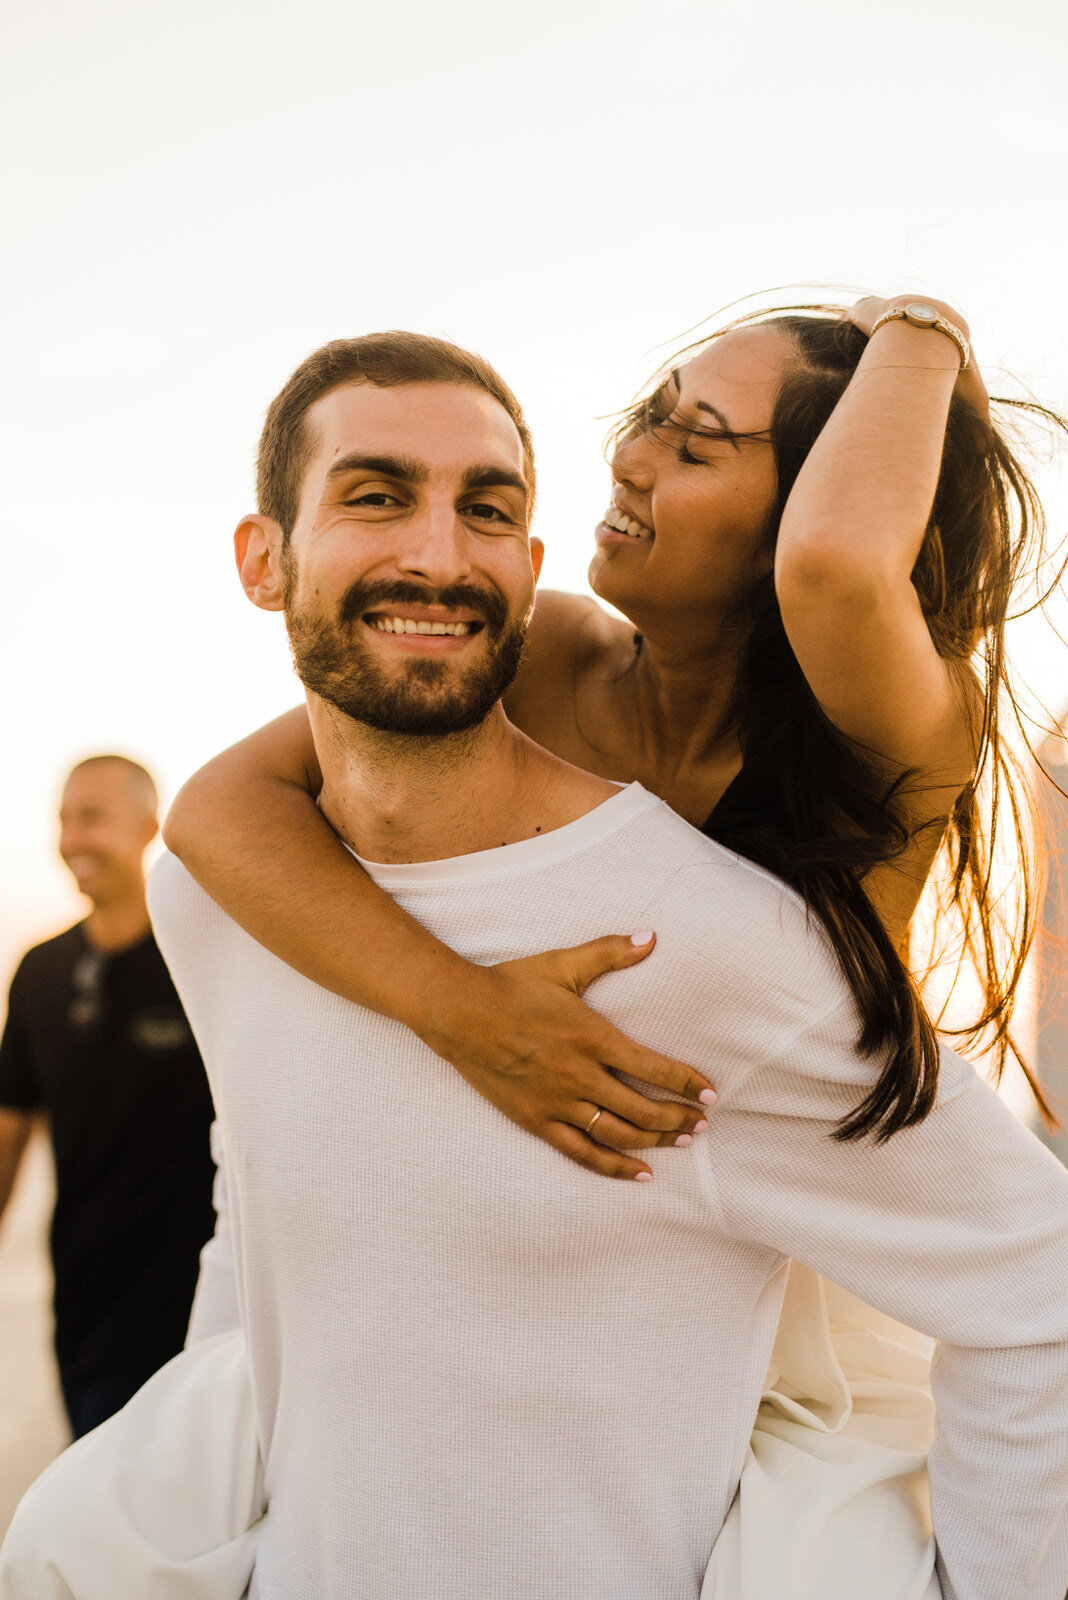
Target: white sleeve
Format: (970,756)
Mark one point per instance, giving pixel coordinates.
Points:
(959,1228)
(216,1308)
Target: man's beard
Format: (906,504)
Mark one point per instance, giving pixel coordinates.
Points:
(426,697)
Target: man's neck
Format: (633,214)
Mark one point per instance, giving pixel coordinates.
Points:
(118,924)
(398,798)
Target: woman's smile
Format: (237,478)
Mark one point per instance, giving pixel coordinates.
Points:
(617,527)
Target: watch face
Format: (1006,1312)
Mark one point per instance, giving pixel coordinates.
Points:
(923,316)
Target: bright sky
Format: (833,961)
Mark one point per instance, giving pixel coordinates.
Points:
(198,194)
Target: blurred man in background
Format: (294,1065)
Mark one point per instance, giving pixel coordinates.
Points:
(96,1039)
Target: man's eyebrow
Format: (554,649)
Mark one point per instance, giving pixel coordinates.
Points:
(489,476)
(486,475)
(401,467)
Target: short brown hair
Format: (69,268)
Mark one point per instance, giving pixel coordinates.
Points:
(384,359)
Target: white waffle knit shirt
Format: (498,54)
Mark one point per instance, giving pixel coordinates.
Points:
(484,1373)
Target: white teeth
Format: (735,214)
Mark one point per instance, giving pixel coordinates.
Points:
(456,630)
(614,518)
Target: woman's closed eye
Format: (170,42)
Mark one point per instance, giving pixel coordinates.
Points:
(686,456)
(657,417)
(681,435)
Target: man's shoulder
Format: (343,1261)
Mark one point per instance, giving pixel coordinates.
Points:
(55,955)
(693,862)
(180,910)
(168,877)
(211,960)
(731,935)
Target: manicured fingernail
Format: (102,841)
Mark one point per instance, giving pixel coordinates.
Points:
(641,938)
(683,1139)
(699,1127)
(643,1177)
(707,1096)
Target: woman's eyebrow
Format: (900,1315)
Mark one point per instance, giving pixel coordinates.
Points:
(703,405)
(712,411)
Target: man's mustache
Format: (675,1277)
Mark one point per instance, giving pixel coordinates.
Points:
(488,604)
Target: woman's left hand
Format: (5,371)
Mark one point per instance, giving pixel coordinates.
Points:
(970,386)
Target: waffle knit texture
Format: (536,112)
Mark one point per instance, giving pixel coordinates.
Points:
(480,1370)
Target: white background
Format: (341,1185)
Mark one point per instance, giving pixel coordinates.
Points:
(196,195)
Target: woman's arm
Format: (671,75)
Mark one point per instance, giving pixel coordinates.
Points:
(848,542)
(247,828)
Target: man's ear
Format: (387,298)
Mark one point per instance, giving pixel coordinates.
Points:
(258,549)
(537,556)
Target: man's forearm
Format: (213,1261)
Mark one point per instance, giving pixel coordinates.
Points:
(15,1130)
(958,1228)
(972,1452)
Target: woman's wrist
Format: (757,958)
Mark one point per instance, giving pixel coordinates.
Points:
(866,313)
(922,349)
(915,348)
(877,318)
(449,1007)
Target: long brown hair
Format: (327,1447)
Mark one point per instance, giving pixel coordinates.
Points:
(814,812)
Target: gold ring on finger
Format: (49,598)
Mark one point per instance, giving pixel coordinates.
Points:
(593,1121)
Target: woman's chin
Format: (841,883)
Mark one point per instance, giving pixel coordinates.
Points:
(615,590)
(599,579)
(607,578)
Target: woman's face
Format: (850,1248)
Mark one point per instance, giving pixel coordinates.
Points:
(696,497)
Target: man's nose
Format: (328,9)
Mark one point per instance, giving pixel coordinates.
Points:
(437,548)
(69,841)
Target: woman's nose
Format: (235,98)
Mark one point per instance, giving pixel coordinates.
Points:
(633,463)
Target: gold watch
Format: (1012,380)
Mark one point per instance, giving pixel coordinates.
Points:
(924,316)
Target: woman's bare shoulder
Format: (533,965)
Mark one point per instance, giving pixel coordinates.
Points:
(568,633)
(577,621)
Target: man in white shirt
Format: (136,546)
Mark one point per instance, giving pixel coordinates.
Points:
(446,1320)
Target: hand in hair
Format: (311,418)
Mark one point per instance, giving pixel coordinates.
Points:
(970,386)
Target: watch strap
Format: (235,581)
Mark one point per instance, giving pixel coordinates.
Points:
(938,325)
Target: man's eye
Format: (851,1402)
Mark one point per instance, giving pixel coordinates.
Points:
(375,498)
(484,512)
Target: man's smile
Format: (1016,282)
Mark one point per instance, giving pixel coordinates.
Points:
(430,629)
